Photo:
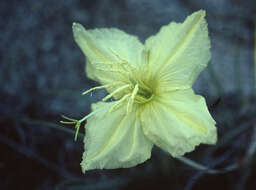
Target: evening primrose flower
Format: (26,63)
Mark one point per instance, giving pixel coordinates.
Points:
(150,86)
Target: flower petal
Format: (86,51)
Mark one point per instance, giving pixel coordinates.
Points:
(106,46)
(114,140)
(178,121)
(180,51)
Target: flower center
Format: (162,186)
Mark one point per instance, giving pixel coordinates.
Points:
(136,84)
(144,94)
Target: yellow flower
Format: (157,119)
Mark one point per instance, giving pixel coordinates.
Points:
(151,87)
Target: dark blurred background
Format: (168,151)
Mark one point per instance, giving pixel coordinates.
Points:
(42,76)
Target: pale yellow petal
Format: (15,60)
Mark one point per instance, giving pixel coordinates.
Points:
(114,140)
(180,51)
(106,52)
(178,121)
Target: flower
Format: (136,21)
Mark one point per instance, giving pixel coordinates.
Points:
(151,87)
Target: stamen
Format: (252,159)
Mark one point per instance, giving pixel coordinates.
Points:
(118,103)
(113,70)
(110,63)
(131,100)
(116,91)
(99,87)
(145,56)
(122,59)
(105,63)
(118,56)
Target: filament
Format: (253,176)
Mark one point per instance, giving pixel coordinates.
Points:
(116,91)
(131,100)
(119,102)
(99,87)
(112,70)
